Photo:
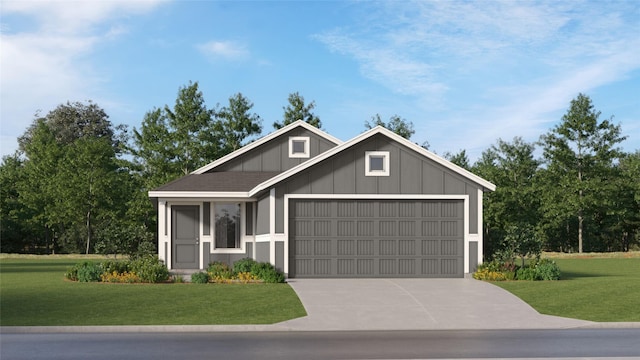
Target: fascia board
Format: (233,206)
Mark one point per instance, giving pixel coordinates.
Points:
(199,194)
(365,135)
(265,139)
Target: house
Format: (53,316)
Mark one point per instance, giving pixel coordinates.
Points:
(377,205)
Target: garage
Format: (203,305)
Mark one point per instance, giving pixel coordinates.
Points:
(376,238)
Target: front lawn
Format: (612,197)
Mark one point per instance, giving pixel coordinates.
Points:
(33,292)
(591,288)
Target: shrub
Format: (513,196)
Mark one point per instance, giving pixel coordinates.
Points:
(243,265)
(72,272)
(219,272)
(150,269)
(246,277)
(89,272)
(495,271)
(267,273)
(547,269)
(116,277)
(200,277)
(527,273)
(119,267)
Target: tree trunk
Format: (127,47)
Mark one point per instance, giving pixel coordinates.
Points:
(88,231)
(580,217)
(580,220)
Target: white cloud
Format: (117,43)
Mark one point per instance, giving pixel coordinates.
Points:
(44,45)
(227,50)
(490,69)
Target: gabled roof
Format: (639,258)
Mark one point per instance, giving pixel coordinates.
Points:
(376,130)
(265,139)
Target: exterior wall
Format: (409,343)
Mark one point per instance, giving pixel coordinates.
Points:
(262,251)
(228,259)
(274,155)
(345,174)
(206,232)
(262,216)
(473,256)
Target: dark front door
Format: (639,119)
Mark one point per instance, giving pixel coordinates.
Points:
(185,222)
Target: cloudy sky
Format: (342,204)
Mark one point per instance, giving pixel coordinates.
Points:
(465,73)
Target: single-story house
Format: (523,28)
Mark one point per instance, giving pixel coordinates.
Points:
(377,205)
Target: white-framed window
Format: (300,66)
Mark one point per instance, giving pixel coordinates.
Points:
(299,147)
(227,225)
(376,163)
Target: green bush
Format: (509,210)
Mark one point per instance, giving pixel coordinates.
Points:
(119,267)
(150,269)
(89,272)
(547,269)
(527,273)
(243,265)
(267,273)
(218,270)
(200,277)
(72,272)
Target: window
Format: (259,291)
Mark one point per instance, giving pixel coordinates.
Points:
(377,163)
(227,226)
(299,147)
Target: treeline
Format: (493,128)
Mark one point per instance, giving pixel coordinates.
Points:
(79,184)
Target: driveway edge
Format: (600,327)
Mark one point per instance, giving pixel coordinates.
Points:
(250,328)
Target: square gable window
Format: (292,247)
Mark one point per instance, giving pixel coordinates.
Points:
(376,163)
(299,147)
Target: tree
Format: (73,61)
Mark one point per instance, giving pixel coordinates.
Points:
(297,110)
(515,204)
(396,124)
(70,173)
(461,159)
(15,234)
(175,142)
(579,155)
(235,123)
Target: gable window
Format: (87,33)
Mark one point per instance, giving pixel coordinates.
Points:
(376,163)
(227,225)
(299,147)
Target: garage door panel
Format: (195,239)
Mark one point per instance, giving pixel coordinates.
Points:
(393,240)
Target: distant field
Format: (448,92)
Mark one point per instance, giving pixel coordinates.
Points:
(597,287)
(34,292)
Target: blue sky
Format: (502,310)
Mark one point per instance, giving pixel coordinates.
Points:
(465,73)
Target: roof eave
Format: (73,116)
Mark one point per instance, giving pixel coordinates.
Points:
(200,194)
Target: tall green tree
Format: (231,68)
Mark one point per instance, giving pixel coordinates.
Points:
(512,167)
(70,173)
(298,110)
(174,142)
(396,124)
(235,123)
(15,234)
(460,158)
(579,154)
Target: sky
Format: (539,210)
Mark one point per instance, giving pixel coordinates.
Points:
(465,73)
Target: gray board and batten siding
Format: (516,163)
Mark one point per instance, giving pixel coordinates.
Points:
(274,155)
(344,173)
(316,249)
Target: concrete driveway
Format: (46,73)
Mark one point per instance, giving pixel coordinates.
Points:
(414,304)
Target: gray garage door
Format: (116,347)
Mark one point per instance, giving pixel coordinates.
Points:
(376,238)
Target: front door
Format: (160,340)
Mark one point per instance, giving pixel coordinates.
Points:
(185,240)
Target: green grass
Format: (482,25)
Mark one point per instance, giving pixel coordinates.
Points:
(33,292)
(591,288)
